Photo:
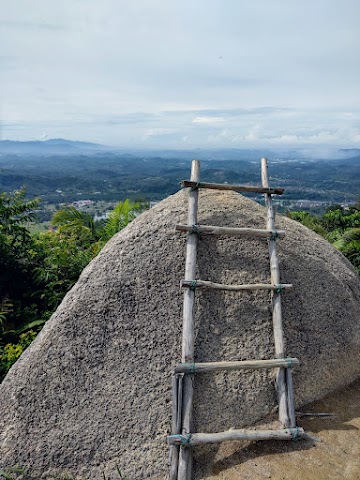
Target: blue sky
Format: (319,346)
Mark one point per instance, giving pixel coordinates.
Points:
(182,73)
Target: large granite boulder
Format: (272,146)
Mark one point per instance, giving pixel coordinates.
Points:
(93,390)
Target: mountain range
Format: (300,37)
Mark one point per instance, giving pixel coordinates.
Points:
(54,146)
(60,146)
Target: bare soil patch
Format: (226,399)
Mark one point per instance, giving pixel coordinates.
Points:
(336,456)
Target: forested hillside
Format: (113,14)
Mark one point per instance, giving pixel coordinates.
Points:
(112,177)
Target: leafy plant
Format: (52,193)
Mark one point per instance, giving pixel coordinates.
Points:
(123,213)
(340,226)
(11,352)
(349,245)
(5,309)
(309,221)
(15,210)
(74,220)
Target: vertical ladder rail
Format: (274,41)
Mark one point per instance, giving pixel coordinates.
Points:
(176,422)
(284,417)
(290,397)
(188,340)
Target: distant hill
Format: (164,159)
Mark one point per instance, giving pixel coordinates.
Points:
(63,147)
(350,152)
(55,146)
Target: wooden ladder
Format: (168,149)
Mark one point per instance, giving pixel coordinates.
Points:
(183,438)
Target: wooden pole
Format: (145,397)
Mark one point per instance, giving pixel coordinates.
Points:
(203,438)
(290,397)
(276,300)
(235,365)
(185,456)
(235,188)
(321,415)
(174,450)
(214,230)
(222,286)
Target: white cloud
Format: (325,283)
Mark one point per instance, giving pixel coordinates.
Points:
(115,70)
(208,120)
(156,132)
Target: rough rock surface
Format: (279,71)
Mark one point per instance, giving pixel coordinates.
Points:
(93,390)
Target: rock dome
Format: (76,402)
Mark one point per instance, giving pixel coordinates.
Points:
(94,389)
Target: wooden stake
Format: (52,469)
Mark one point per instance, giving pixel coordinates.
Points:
(276,300)
(185,456)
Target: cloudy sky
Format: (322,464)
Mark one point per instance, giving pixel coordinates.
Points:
(181,73)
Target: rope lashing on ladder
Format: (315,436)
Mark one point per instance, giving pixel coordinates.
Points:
(289,362)
(279,288)
(194,230)
(196,186)
(191,365)
(193,285)
(295,434)
(274,235)
(184,439)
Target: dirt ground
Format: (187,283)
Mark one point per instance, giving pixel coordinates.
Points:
(336,456)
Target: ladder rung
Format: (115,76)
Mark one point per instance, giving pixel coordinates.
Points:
(221,286)
(202,438)
(214,230)
(235,188)
(236,365)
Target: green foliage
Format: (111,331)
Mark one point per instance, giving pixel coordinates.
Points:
(349,245)
(309,221)
(17,254)
(61,257)
(15,239)
(122,215)
(339,226)
(36,271)
(11,352)
(15,210)
(5,309)
(72,220)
